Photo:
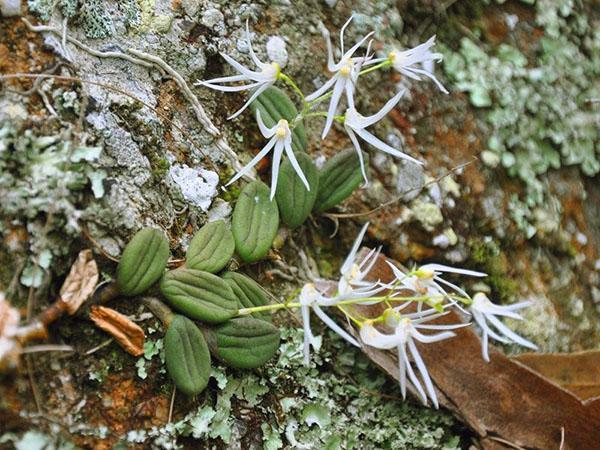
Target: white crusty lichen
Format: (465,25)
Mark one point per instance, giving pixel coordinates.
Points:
(198,186)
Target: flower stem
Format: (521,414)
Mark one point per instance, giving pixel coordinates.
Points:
(290,82)
(385,63)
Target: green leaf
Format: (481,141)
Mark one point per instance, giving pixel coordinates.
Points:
(274,105)
(199,295)
(244,342)
(248,292)
(255,222)
(187,356)
(211,248)
(294,200)
(338,178)
(143,261)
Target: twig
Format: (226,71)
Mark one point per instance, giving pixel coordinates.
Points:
(98,347)
(172,404)
(82,46)
(197,107)
(47,348)
(400,197)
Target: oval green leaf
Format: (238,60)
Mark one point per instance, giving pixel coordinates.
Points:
(255,222)
(199,295)
(338,178)
(274,105)
(248,292)
(187,356)
(294,200)
(211,248)
(245,342)
(143,261)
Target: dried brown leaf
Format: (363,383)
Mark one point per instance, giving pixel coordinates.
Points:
(10,348)
(80,283)
(577,372)
(129,335)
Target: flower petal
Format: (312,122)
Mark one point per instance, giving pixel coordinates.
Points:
(254,160)
(334,326)
(379,144)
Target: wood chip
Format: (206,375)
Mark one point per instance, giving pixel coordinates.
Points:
(129,335)
(80,283)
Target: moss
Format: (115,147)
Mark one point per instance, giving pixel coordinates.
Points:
(489,256)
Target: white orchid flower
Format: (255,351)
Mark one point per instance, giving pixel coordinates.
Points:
(416,62)
(280,137)
(310,298)
(427,280)
(345,75)
(484,310)
(261,80)
(352,283)
(355,124)
(406,331)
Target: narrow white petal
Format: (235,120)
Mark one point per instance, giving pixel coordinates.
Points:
(229,79)
(501,311)
(511,334)
(442,327)
(343,30)
(430,338)
(334,326)
(449,269)
(252,54)
(519,305)
(259,91)
(413,378)
(257,76)
(276,161)
(307,333)
(370,120)
(424,373)
(484,347)
(379,144)
(218,87)
(349,88)
(350,52)
(253,162)
(294,162)
(355,246)
(338,89)
(265,131)
(402,370)
(482,322)
(432,77)
(322,89)
(356,144)
(409,74)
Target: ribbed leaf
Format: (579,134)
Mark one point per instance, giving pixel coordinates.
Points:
(248,292)
(274,105)
(294,200)
(211,248)
(244,342)
(187,356)
(338,178)
(199,295)
(255,222)
(143,261)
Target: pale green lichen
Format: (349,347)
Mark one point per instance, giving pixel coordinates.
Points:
(540,112)
(338,401)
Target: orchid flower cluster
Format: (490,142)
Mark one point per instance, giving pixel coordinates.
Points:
(414,63)
(411,301)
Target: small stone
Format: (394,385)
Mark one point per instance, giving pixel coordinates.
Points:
(410,179)
(490,159)
(198,186)
(213,18)
(447,239)
(427,214)
(276,50)
(10,8)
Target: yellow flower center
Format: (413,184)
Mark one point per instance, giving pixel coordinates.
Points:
(346,69)
(282,127)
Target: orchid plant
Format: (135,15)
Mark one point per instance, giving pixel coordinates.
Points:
(414,298)
(341,86)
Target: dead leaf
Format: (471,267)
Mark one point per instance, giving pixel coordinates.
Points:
(10,349)
(80,283)
(129,335)
(504,402)
(577,372)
